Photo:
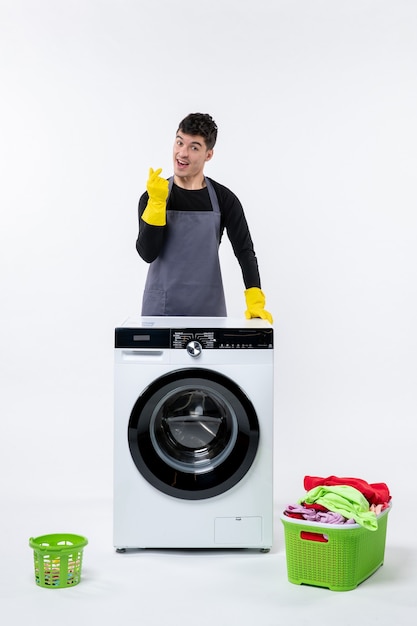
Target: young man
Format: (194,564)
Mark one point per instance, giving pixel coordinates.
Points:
(181,223)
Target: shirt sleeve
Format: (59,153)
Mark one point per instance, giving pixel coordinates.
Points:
(150,238)
(235,223)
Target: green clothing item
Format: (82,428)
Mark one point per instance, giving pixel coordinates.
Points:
(346,500)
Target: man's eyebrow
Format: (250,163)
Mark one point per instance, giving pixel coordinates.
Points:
(198,143)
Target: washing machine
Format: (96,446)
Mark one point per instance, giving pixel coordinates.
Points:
(193,433)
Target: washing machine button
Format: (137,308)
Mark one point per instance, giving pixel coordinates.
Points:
(194,348)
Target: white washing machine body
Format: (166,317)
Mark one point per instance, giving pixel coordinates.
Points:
(193,433)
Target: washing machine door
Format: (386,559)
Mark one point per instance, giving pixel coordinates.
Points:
(193,433)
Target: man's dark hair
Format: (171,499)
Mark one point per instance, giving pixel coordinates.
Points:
(200,124)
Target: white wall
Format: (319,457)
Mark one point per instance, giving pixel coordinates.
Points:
(316,104)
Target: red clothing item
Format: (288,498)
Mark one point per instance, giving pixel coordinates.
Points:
(375,493)
(294,515)
(315,506)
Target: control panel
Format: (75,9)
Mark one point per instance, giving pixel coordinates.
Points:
(207,339)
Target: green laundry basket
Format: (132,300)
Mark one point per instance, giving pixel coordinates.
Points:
(58,560)
(336,556)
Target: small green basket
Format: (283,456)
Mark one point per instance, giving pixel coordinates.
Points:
(338,557)
(58,560)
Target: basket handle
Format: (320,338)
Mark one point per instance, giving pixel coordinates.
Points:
(309,536)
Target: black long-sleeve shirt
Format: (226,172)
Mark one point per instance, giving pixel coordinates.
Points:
(151,239)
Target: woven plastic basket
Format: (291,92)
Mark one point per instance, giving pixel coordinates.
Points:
(58,560)
(338,557)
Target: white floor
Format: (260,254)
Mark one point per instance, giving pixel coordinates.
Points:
(156,587)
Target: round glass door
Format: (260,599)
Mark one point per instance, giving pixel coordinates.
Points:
(193,433)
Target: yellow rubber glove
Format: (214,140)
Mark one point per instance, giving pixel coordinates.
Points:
(255,301)
(157,188)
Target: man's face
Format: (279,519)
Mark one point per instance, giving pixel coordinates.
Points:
(190,154)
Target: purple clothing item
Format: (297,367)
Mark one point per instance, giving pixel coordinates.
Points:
(311,515)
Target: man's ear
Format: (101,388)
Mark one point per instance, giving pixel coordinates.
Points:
(209,154)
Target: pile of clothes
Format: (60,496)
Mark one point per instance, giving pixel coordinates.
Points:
(336,500)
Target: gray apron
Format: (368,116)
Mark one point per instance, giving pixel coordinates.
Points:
(186,278)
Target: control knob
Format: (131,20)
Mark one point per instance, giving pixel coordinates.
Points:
(194,348)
